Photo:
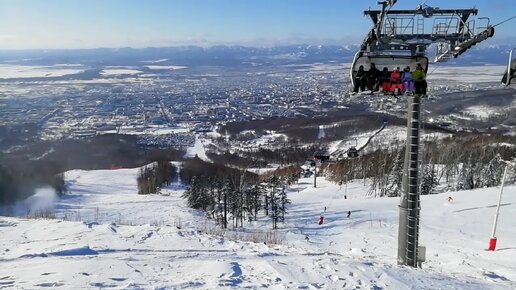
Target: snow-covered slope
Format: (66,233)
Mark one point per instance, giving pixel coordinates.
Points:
(124,240)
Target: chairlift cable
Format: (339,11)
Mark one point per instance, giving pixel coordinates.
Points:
(328,204)
(508,19)
(436,67)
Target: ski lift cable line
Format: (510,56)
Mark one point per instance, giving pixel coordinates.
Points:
(436,67)
(506,20)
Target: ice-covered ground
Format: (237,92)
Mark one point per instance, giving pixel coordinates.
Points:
(124,240)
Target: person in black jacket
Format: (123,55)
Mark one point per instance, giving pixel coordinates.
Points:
(360,79)
(372,78)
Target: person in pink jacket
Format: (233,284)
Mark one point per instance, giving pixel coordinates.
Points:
(408,80)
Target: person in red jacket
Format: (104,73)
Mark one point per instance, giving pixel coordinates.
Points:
(396,82)
(385,80)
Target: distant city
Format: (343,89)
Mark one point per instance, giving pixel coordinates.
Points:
(69,96)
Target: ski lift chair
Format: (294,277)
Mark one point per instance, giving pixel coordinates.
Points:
(390,61)
(352,152)
(321,155)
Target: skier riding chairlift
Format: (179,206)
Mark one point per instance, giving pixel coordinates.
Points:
(352,152)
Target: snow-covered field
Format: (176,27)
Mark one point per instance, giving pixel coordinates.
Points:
(119,71)
(10,71)
(391,134)
(151,129)
(113,237)
(155,61)
(482,112)
(166,67)
(466,74)
(197,150)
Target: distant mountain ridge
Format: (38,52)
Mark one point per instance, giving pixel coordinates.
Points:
(222,55)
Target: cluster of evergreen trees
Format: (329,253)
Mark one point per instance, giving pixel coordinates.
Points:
(285,156)
(234,159)
(151,178)
(232,195)
(18,184)
(459,164)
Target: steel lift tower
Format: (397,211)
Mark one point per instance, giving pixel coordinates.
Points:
(400,38)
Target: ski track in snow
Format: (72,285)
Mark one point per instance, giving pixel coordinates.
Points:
(197,150)
(118,239)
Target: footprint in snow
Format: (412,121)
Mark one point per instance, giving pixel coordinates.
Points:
(146,236)
(113,227)
(493,275)
(50,284)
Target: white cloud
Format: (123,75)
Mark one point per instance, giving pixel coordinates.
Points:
(6,37)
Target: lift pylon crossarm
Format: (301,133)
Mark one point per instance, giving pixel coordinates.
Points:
(460,48)
(441,12)
(387,30)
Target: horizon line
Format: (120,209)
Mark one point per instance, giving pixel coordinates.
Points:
(207,46)
(179,46)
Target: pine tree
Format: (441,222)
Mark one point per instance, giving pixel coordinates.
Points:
(253,201)
(466,178)
(394,184)
(275,186)
(283,201)
(428,179)
(193,193)
(492,173)
(227,192)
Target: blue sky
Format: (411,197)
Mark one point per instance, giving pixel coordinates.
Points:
(26,24)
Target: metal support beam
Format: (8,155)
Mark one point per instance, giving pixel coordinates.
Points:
(440,12)
(399,38)
(408,233)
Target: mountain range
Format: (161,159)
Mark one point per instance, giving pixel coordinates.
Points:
(223,55)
